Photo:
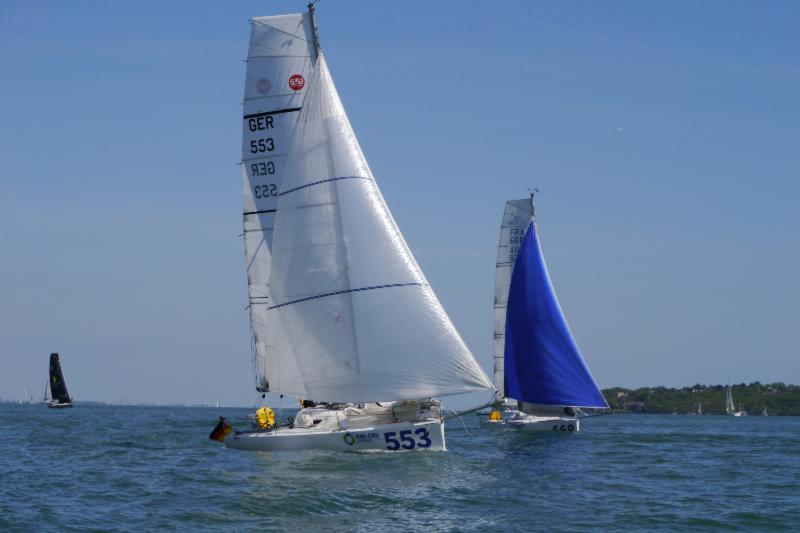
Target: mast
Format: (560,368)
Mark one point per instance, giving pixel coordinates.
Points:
(314,34)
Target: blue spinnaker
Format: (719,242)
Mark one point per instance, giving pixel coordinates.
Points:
(542,362)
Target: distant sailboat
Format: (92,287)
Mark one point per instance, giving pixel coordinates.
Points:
(730,408)
(58,387)
(340,311)
(537,361)
(764,412)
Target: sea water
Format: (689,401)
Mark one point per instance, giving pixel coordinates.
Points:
(146,468)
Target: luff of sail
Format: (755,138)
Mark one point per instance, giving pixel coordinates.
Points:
(361,321)
(543,364)
(280,59)
(516,216)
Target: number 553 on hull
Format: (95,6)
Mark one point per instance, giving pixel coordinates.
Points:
(395,437)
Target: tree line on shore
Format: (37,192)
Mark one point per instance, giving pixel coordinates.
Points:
(778,398)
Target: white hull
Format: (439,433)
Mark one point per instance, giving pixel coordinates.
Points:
(538,423)
(53,404)
(397,436)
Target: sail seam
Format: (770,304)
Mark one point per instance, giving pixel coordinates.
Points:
(324,181)
(276,112)
(346,292)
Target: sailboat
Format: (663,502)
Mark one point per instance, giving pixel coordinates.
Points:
(341,314)
(764,412)
(730,408)
(58,387)
(539,373)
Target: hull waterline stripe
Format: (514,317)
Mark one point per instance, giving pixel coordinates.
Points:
(324,181)
(268,113)
(259,212)
(345,292)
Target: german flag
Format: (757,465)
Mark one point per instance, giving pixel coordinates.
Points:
(221,430)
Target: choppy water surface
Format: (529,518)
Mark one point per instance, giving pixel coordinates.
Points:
(147,468)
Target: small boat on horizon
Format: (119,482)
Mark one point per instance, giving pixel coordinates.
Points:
(540,375)
(58,387)
(730,407)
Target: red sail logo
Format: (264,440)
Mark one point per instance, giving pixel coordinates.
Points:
(296,82)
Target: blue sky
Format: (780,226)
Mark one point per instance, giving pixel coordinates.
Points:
(663,138)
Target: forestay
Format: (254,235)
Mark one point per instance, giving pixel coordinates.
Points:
(360,319)
(279,63)
(542,362)
(516,217)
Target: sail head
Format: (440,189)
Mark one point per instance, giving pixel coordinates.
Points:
(543,364)
(361,321)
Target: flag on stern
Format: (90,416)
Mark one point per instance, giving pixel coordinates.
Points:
(221,430)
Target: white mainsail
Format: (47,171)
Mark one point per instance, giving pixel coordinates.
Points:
(516,217)
(729,406)
(279,63)
(361,322)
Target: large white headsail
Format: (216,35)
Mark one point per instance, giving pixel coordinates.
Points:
(516,217)
(279,63)
(361,319)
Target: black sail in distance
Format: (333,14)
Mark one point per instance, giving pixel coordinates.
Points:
(58,387)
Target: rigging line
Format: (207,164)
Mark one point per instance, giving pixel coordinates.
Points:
(609,412)
(490,403)
(463,424)
(326,181)
(315,297)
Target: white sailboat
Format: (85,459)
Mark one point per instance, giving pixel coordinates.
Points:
(764,412)
(730,408)
(341,313)
(539,373)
